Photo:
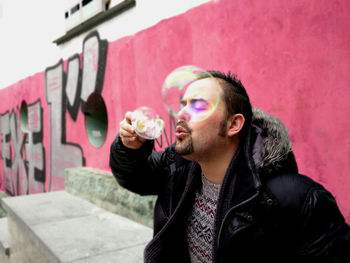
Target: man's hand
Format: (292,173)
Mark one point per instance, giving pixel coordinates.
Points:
(127,133)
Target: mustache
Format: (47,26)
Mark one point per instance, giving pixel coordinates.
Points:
(184,126)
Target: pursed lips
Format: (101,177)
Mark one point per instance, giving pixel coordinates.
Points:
(180,131)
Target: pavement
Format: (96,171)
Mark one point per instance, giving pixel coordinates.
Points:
(60,227)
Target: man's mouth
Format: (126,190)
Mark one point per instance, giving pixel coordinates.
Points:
(180,132)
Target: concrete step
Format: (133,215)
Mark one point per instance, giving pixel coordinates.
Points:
(2,211)
(102,189)
(59,227)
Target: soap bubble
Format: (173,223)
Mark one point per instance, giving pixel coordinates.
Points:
(182,82)
(147,123)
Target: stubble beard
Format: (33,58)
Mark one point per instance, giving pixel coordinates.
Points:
(184,147)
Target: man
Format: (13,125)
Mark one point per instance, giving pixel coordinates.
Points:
(229,189)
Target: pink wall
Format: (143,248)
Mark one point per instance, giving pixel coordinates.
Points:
(292,56)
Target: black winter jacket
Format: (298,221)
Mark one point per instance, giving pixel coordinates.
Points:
(266,211)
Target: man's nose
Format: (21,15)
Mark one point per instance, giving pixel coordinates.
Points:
(184,114)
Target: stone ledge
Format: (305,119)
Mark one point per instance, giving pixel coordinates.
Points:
(4,242)
(2,211)
(102,189)
(59,227)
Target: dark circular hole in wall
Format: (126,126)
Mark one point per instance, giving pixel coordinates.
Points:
(96,119)
(24,116)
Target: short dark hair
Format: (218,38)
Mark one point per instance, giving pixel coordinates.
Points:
(235,97)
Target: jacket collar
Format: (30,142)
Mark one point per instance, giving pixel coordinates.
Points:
(265,150)
(272,149)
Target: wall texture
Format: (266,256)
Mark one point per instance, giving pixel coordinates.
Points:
(292,56)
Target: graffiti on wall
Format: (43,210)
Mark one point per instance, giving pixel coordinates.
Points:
(34,154)
(10,145)
(22,152)
(69,92)
(34,150)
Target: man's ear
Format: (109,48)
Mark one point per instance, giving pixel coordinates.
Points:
(235,124)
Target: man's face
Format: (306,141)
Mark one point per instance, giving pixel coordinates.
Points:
(202,120)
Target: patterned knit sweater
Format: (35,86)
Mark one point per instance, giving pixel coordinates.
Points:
(200,225)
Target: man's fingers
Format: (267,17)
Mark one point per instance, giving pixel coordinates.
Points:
(129,139)
(127,127)
(129,117)
(126,133)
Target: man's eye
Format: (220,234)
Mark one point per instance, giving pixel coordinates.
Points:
(199,105)
(182,105)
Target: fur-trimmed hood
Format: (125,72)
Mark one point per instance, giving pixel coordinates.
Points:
(272,149)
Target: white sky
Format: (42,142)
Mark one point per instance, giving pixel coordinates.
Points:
(27,32)
(29,27)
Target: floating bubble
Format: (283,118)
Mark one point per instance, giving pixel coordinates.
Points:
(190,93)
(147,123)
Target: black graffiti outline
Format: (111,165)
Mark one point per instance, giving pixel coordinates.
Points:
(102,59)
(7,160)
(39,176)
(79,102)
(63,116)
(18,143)
(73,110)
(19,149)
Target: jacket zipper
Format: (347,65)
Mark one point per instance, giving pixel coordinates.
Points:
(173,215)
(217,240)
